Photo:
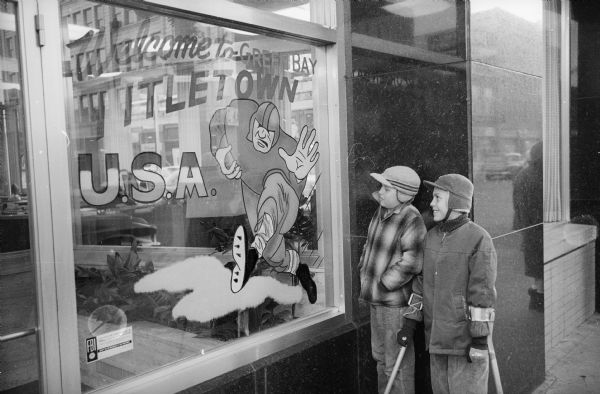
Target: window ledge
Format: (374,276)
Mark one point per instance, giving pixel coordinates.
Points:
(562,238)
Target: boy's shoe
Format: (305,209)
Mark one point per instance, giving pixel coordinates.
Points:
(244,260)
(303,274)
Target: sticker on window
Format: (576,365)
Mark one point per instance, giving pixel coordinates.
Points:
(109,344)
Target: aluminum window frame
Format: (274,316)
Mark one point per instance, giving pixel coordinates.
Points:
(376,44)
(49,204)
(241,17)
(60,341)
(565,109)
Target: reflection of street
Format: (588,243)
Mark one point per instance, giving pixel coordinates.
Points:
(493,207)
(518,331)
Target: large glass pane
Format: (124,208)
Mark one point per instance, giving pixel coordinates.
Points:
(433,25)
(507,75)
(18,316)
(185,136)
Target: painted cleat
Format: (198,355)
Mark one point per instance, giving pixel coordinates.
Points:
(244,260)
(303,274)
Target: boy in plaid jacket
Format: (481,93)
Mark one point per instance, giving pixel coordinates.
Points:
(391,257)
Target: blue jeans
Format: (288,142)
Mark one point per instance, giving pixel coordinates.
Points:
(455,375)
(385,323)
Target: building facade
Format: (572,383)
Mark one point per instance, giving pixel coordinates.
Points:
(147,144)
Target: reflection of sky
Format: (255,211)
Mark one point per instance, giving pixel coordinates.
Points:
(526,9)
(301,12)
(416,8)
(7,22)
(77,31)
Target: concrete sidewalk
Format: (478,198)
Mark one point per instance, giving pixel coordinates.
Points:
(574,364)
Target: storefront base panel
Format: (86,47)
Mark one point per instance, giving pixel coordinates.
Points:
(341,363)
(367,369)
(338,363)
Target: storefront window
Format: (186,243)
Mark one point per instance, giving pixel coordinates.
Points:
(195,168)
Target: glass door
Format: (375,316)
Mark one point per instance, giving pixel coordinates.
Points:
(19,370)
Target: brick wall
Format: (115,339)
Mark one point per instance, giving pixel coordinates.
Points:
(569,285)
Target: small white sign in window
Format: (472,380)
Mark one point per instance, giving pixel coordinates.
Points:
(109,344)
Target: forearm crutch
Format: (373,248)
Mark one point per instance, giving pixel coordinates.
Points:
(390,382)
(494,362)
(488,315)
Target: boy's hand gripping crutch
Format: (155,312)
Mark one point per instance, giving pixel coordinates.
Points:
(415,305)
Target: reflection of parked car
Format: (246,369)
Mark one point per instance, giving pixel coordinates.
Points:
(113,227)
(503,166)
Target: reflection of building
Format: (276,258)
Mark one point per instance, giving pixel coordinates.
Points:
(145,64)
(507,112)
(497,35)
(430,25)
(11,133)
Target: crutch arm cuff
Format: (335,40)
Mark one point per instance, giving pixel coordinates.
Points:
(481,314)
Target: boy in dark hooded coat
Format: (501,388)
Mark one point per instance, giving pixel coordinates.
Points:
(458,288)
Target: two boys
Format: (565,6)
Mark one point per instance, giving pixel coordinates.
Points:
(458,290)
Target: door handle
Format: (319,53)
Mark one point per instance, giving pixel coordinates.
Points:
(18,334)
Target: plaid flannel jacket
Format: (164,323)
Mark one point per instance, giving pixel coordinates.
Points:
(392,255)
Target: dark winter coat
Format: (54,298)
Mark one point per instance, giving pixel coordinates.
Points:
(459,270)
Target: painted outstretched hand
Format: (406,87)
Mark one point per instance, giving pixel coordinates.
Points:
(305,157)
(232,171)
